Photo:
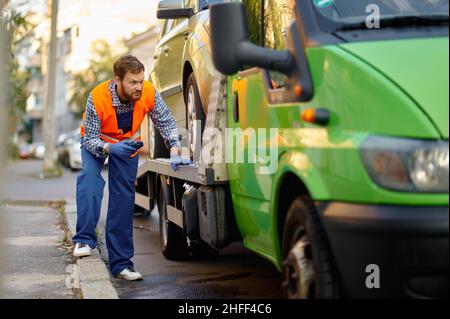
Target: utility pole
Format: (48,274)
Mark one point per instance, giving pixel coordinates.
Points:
(50,166)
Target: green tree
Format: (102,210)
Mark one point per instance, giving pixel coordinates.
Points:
(18,29)
(100,69)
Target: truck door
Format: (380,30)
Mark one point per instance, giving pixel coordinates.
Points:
(254,112)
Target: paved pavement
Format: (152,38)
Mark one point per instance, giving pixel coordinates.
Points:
(34,256)
(23,182)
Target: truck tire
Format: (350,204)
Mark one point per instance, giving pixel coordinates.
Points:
(156,146)
(194,111)
(173,241)
(201,250)
(308,270)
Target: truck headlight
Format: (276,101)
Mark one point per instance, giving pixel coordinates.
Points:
(407,165)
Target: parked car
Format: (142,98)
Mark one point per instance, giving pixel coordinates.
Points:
(63,143)
(183,68)
(37,150)
(24,151)
(74,152)
(69,151)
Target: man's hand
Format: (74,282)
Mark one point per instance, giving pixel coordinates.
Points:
(176,160)
(121,149)
(136,144)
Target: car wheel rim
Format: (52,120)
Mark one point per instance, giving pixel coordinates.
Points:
(151,138)
(299,275)
(192,120)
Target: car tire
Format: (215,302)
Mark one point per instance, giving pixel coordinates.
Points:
(308,270)
(156,146)
(194,111)
(174,244)
(69,164)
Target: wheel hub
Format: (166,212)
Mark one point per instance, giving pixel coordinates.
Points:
(299,275)
(192,120)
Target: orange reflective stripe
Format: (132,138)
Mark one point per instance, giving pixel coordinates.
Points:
(136,136)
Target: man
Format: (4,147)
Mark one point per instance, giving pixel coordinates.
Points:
(114,113)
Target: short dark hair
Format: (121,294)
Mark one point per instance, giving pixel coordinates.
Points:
(127,63)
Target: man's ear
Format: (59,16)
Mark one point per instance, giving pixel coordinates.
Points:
(116,80)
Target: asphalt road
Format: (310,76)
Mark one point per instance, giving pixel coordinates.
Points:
(234,273)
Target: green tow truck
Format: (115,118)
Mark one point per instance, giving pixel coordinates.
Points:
(340,109)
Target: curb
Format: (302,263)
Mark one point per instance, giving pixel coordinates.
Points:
(33,202)
(89,274)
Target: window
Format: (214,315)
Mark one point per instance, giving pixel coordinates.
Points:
(168,26)
(204,4)
(254,20)
(350,11)
(175,23)
(278,15)
(163,25)
(272,28)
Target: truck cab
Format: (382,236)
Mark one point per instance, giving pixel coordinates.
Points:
(358,93)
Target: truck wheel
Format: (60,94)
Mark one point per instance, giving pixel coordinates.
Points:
(201,250)
(156,146)
(194,113)
(308,269)
(173,241)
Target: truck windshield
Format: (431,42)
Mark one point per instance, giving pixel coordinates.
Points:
(354,13)
(204,4)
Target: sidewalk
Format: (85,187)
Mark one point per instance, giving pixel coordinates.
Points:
(35,257)
(89,275)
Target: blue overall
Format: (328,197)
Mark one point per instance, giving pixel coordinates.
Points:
(119,222)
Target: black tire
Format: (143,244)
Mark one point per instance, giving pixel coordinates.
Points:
(138,210)
(302,228)
(201,250)
(156,146)
(72,169)
(198,113)
(173,241)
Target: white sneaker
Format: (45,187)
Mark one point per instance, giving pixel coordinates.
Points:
(81,250)
(129,274)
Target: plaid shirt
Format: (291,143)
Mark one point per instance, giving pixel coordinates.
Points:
(160,115)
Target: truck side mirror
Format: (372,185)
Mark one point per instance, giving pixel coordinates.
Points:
(173,9)
(231,47)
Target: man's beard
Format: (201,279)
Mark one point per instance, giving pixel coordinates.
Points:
(133,97)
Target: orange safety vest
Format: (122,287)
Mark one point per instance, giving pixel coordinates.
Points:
(102,99)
